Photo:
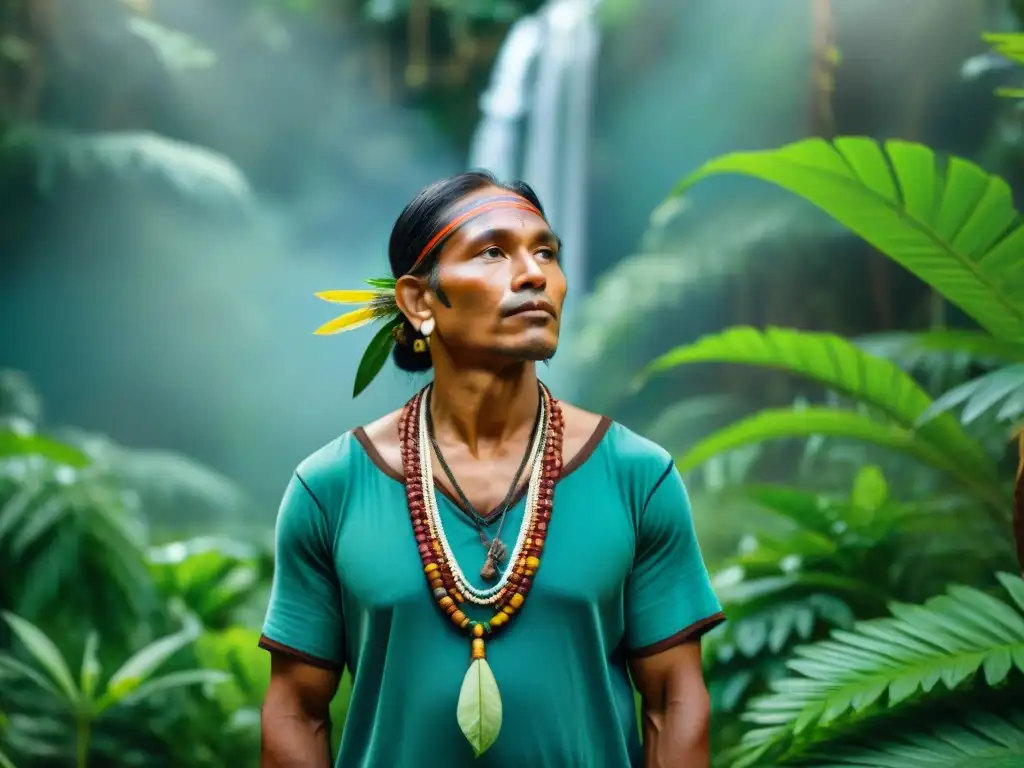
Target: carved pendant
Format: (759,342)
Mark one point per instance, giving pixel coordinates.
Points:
(488,572)
(496,554)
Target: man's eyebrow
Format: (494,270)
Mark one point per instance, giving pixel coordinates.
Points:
(545,236)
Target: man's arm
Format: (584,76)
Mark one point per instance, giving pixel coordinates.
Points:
(295,718)
(669,605)
(676,707)
(304,632)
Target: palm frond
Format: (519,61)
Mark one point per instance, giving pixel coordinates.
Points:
(942,644)
(841,366)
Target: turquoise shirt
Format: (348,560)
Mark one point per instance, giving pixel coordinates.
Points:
(621,576)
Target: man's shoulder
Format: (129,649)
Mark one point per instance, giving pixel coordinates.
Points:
(630,453)
(636,456)
(327,469)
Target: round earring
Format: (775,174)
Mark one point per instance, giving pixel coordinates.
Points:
(419,346)
(427,327)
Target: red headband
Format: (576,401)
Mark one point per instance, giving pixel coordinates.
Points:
(477,208)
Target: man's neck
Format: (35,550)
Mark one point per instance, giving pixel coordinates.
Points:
(481,407)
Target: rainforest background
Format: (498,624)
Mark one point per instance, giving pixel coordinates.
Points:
(796,261)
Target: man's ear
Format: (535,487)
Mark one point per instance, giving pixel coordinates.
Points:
(411,296)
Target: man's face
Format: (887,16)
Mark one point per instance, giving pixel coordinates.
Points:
(501,276)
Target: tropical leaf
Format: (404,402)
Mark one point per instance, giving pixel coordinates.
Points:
(192,171)
(840,365)
(777,423)
(978,396)
(953,225)
(141,665)
(943,352)
(1008,44)
(22,442)
(942,644)
(966,737)
(46,654)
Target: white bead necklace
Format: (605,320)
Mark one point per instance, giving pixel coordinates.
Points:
(471,593)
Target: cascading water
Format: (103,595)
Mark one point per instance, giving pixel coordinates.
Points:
(537,117)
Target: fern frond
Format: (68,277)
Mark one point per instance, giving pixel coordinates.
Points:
(941,644)
(951,737)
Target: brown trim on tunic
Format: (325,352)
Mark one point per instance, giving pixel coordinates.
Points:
(568,468)
(314,661)
(687,635)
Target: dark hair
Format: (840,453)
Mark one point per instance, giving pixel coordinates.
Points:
(421,220)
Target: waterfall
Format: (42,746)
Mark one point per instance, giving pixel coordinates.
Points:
(537,115)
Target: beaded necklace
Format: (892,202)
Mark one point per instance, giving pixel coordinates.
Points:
(496,552)
(479,708)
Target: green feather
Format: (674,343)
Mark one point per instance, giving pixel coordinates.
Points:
(384,283)
(479,711)
(375,356)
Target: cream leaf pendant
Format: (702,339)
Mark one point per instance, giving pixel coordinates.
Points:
(479,711)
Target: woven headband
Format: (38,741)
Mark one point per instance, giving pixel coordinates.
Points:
(378,302)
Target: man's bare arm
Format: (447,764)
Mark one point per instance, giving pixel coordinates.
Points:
(296,715)
(676,707)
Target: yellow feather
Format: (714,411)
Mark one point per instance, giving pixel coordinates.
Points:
(349,297)
(346,322)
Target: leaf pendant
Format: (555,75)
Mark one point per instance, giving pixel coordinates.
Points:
(479,711)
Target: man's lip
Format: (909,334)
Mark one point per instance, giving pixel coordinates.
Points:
(533,306)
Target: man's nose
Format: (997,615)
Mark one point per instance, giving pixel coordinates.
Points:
(530,274)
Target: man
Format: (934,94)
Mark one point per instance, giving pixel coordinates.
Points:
(583,576)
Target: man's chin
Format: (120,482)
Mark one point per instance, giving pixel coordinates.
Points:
(534,352)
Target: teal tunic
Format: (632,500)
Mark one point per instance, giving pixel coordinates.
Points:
(621,576)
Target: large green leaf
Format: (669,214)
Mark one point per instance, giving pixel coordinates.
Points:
(773,424)
(840,365)
(940,644)
(953,225)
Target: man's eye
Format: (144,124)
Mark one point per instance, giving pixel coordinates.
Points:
(547,253)
(494,252)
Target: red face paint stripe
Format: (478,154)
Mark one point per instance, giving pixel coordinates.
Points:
(483,207)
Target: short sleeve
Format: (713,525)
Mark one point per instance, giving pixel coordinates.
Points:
(669,599)
(304,617)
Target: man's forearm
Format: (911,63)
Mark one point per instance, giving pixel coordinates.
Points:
(676,737)
(295,741)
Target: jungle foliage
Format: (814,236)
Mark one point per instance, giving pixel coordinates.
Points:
(846,644)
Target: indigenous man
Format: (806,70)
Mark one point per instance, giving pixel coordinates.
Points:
(495,569)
